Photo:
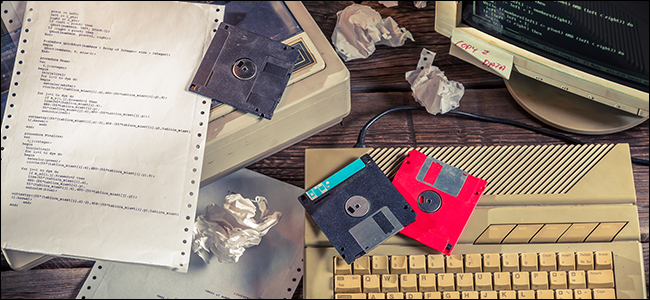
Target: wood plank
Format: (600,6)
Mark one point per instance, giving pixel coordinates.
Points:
(44,283)
(377,84)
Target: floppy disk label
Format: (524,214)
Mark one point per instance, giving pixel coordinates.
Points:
(357,208)
(443,196)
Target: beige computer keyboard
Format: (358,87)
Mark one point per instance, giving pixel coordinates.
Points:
(564,200)
(545,275)
(541,271)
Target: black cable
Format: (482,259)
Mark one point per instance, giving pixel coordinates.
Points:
(362,134)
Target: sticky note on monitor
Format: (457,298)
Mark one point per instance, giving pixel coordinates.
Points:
(481,53)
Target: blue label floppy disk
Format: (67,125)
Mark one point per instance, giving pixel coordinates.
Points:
(357,208)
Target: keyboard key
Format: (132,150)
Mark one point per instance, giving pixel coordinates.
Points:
(390,283)
(563,294)
(600,279)
(417,264)
(472,263)
(510,262)
(545,294)
(483,281)
(577,280)
(341,267)
(528,262)
(413,295)
(469,295)
(455,263)
(361,265)
(394,295)
(446,282)
(558,279)
(584,261)
(547,261)
(351,296)
(347,284)
(408,282)
(488,295)
(398,264)
(371,283)
(465,281)
(432,295)
(380,264)
(492,262)
(603,260)
(450,295)
(502,281)
(507,295)
(566,261)
(436,263)
(526,294)
(539,280)
(376,296)
(604,294)
(582,294)
(520,281)
(427,282)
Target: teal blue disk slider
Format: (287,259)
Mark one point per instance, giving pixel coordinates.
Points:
(335,179)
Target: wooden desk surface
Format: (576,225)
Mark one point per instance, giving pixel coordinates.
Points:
(378,84)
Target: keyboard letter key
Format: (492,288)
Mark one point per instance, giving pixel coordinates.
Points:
(409,282)
(371,283)
(427,282)
(389,283)
(483,281)
(539,280)
(502,281)
(446,282)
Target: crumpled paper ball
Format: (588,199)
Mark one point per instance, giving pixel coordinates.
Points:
(431,88)
(359,28)
(227,231)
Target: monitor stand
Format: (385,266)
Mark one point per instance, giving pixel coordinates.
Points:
(567,111)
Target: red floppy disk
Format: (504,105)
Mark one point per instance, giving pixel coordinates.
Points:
(443,197)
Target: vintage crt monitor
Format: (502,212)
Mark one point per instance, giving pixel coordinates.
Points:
(581,68)
(317,96)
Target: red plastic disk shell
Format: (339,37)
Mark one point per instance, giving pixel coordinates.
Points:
(439,230)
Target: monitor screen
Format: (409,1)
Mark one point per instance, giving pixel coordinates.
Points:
(605,39)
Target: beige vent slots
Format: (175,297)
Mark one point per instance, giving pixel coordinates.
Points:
(550,233)
(539,169)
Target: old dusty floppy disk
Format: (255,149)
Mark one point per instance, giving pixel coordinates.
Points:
(443,196)
(357,208)
(245,70)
